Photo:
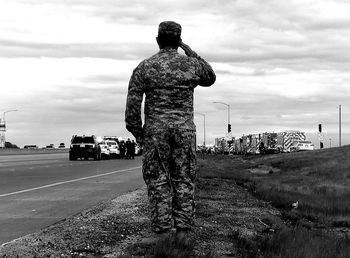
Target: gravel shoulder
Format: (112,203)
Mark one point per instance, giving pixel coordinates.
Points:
(227,215)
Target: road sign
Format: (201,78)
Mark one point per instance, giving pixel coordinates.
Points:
(320,136)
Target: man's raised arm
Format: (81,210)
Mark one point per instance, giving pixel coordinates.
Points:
(206,73)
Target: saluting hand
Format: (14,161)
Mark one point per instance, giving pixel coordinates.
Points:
(188,51)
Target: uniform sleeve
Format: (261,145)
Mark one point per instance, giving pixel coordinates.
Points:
(205,72)
(133,118)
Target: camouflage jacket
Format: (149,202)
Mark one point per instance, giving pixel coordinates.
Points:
(168,80)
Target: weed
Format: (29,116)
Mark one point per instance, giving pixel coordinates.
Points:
(247,247)
(300,242)
(170,248)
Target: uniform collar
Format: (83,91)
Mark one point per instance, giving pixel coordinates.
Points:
(168,50)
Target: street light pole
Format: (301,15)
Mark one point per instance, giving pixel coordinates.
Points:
(204,126)
(228,124)
(3,114)
(228,114)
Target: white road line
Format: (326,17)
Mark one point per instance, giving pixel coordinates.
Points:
(69,181)
(6,243)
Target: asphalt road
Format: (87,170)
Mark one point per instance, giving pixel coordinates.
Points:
(39,190)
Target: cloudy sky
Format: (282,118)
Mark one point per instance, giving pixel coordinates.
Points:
(281,65)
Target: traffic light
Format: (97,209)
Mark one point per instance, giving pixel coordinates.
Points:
(320,128)
(229,128)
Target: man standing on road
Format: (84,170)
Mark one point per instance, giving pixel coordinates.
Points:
(168,80)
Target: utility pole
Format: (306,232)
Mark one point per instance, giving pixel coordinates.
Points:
(228,114)
(229,134)
(202,114)
(339,125)
(320,135)
(2,133)
(3,128)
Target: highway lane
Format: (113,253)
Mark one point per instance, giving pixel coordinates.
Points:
(39,190)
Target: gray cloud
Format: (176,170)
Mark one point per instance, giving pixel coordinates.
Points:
(104,79)
(257,35)
(297,58)
(69,110)
(292,35)
(12,48)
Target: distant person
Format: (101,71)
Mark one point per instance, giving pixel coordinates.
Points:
(122,149)
(168,80)
(128,148)
(132,149)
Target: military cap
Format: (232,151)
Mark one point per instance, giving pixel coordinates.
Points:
(169,28)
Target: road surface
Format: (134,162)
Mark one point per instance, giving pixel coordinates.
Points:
(39,190)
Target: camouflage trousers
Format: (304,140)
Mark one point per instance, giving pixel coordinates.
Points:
(169,173)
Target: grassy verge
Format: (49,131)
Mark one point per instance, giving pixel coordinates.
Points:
(318,181)
(300,242)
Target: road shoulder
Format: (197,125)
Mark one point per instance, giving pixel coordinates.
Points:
(225,212)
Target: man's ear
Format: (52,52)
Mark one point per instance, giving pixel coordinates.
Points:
(158,42)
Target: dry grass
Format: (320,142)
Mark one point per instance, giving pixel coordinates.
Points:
(300,242)
(318,180)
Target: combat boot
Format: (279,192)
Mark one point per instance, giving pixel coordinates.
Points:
(156,237)
(182,237)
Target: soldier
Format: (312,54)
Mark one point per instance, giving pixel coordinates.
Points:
(168,80)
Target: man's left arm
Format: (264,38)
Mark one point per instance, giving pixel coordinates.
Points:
(133,118)
(205,71)
(207,74)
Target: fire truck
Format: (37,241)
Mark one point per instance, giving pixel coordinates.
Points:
(261,143)
(224,145)
(287,141)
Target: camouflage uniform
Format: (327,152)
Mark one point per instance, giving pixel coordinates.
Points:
(168,80)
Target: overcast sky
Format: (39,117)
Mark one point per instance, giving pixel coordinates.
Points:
(281,65)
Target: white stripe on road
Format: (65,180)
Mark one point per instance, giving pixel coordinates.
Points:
(66,182)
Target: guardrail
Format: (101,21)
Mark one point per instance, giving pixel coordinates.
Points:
(7,151)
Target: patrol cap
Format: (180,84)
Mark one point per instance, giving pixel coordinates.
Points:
(169,28)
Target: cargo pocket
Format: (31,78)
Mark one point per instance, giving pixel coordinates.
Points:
(191,159)
(150,166)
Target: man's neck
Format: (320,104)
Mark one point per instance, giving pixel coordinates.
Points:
(167,48)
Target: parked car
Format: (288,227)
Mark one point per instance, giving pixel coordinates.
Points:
(62,145)
(31,147)
(105,152)
(113,148)
(84,147)
(50,147)
(305,146)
